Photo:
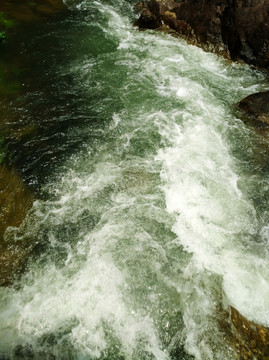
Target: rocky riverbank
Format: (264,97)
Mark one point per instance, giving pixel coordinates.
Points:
(236,29)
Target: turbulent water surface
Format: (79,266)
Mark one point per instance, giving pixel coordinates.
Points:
(153,214)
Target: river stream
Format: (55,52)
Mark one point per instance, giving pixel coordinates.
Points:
(152,213)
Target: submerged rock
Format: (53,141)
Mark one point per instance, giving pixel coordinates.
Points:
(255,108)
(16,18)
(237,29)
(15,201)
(252,340)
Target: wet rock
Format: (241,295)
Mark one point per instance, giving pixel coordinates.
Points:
(236,29)
(246,339)
(148,20)
(245,29)
(15,201)
(252,340)
(255,109)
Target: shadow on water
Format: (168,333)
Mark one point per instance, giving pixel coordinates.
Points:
(39,108)
(36,99)
(44,117)
(44,109)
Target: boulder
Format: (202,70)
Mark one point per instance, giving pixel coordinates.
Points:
(148,20)
(255,109)
(236,29)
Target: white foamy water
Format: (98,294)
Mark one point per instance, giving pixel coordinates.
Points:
(154,226)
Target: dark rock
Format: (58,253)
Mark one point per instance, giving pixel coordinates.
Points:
(237,29)
(255,108)
(160,7)
(148,20)
(204,18)
(140,6)
(245,26)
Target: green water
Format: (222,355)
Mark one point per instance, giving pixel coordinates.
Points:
(153,209)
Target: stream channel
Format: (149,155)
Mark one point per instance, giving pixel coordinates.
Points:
(151,210)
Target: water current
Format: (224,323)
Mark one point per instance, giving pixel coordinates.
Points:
(153,217)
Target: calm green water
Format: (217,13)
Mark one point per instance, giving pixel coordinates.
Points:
(154,209)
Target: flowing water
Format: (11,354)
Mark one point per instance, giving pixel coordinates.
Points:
(153,213)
